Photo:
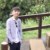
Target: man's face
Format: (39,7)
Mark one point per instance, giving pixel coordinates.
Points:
(16,13)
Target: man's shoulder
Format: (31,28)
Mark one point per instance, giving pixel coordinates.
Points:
(9,19)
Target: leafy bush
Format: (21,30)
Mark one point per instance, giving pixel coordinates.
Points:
(6,6)
(2,25)
(46,20)
(37,9)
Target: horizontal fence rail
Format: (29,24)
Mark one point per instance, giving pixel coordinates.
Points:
(39,27)
(34,16)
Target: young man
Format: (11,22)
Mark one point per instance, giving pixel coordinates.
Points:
(14,29)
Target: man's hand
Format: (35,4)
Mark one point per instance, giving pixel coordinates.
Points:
(11,42)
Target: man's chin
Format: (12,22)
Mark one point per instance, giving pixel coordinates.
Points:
(16,15)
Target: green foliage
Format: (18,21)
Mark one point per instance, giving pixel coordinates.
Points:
(6,6)
(46,20)
(26,7)
(2,25)
(29,23)
(37,9)
(47,6)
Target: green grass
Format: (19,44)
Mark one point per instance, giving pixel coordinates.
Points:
(27,34)
(2,36)
(29,23)
(30,34)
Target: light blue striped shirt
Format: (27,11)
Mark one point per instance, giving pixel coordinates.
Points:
(11,30)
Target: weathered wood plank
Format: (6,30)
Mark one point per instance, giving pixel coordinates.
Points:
(36,44)
(48,39)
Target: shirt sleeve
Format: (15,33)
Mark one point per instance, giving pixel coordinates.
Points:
(21,29)
(8,30)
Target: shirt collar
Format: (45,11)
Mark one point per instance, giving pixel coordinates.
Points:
(14,18)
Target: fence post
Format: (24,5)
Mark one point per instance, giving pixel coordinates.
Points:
(40,25)
(4,46)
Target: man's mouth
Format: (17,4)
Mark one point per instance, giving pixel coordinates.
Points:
(16,14)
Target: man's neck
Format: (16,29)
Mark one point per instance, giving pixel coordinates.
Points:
(15,18)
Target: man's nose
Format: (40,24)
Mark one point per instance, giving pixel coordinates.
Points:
(16,12)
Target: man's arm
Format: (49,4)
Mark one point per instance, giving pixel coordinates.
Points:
(21,29)
(8,30)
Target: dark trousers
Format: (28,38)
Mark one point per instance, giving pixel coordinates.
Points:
(14,46)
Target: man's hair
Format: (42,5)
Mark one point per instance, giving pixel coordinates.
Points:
(15,8)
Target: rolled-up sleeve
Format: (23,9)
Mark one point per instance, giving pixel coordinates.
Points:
(8,30)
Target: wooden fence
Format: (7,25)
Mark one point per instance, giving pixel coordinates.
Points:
(39,27)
